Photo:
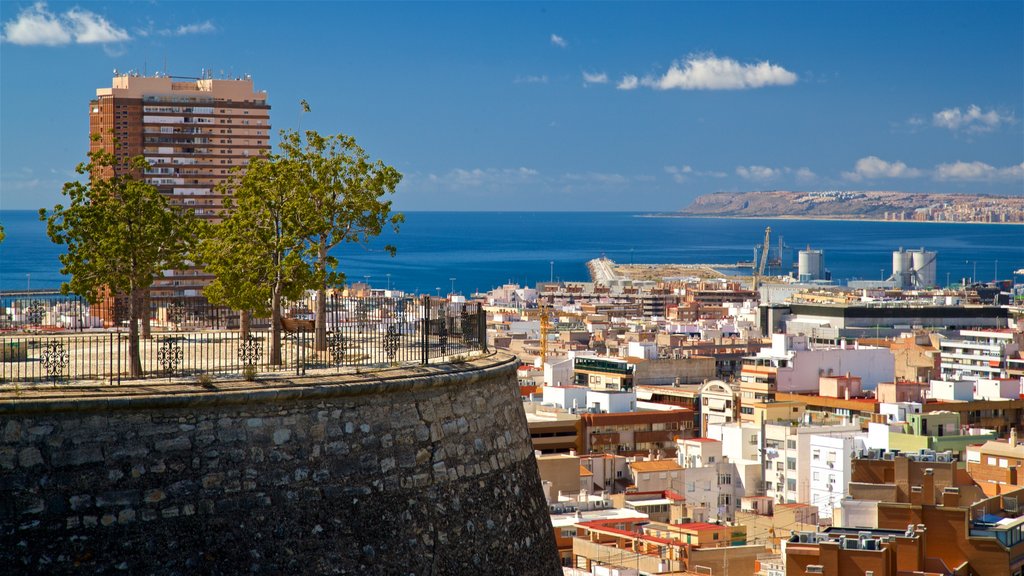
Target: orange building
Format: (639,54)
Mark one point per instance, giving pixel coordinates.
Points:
(658,548)
(633,433)
(997,465)
(192,131)
(851,552)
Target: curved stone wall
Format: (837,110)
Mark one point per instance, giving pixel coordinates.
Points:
(411,471)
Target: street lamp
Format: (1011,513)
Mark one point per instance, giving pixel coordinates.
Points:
(551,278)
(389,281)
(453,285)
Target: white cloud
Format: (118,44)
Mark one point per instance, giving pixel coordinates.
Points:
(596,177)
(872,167)
(557,40)
(805,175)
(714,73)
(543,79)
(974,120)
(628,82)
(758,172)
(479,177)
(977,171)
(679,173)
(595,78)
(91,28)
(205,27)
(37,26)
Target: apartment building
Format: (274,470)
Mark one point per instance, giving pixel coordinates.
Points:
(719,404)
(636,433)
(829,469)
(997,466)
(712,485)
(645,547)
(850,552)
(192,132)
(978,354)
(769,523)
(793,364)
(937,430)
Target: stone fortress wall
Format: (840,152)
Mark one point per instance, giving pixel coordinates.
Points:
(425,470)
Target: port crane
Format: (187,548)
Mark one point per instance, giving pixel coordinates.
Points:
(759,271)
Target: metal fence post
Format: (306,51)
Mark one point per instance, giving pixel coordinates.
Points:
(110,358)
(481,326)
(425,335)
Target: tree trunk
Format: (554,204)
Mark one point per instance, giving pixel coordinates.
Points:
(134,353)
(244,324)
(275,326)
(320,338)
(147,332)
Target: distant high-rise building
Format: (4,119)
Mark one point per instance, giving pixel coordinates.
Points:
(192,132)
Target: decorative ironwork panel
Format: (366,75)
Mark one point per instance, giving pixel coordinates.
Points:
(391,341)
(442,331)
(468,331)
(250,351)
(35,313)
(336,345)
(175,313)
(54,359)
(169,355)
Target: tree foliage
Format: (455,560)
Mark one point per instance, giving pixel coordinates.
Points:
(286,212)
(119,233)
(255,253)
(343,200)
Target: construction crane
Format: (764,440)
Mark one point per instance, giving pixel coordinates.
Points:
(545,316)
(765,248)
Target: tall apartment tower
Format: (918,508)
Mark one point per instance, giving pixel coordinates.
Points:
(192,132)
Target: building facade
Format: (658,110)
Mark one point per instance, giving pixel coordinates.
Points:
(192,132)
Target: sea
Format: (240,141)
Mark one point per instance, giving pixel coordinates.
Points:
(466,252)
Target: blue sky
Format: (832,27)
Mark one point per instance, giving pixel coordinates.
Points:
(565,106)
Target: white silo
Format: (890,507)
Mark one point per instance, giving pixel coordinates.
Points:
(810,265)
(923,268)
(902,263)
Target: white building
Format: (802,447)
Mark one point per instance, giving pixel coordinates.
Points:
(1001,389)
(558,372)
(788,455)
(830,468)
(794,365)
(978,354)
(719,403)
(957,390)
(712,485)
(579,399)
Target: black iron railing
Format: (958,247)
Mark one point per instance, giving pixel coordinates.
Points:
(63,339)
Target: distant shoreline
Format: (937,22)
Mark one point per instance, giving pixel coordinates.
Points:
(821,218)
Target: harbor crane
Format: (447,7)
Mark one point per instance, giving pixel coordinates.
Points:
(759,271)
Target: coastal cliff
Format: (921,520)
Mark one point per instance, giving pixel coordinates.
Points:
(876,205)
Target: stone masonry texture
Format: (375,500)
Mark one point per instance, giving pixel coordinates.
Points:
(429,471)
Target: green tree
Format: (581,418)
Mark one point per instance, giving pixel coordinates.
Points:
(342,200)
(120,232)
(2,233)
(255,253)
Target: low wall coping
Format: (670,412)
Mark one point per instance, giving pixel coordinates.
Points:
(153,396)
